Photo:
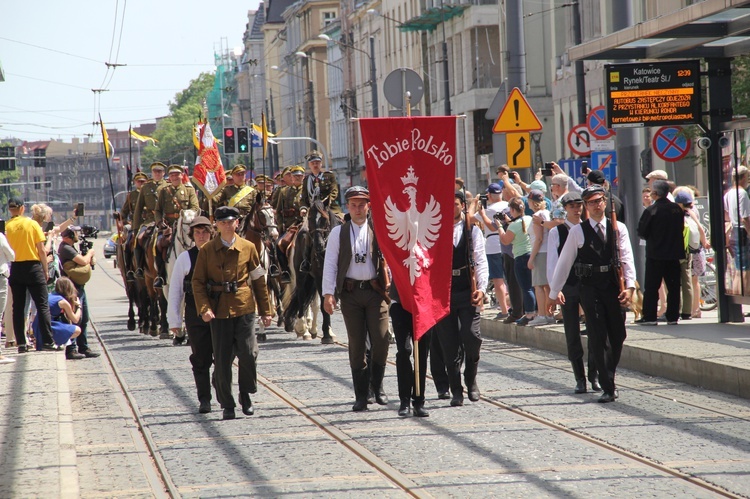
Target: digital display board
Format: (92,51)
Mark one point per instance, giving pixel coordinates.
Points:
(653,94)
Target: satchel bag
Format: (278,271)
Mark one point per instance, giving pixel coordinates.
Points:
(79,274)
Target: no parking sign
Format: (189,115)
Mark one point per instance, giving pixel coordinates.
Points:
(596,121)
(670,144)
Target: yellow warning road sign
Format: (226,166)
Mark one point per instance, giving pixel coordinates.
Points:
(517,115)
(518,150)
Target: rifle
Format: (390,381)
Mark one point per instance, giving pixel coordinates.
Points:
(469,245)
(616,260)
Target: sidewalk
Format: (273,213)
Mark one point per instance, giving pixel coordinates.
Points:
(701,352)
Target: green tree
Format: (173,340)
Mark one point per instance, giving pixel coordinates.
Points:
(741,85)
(175,132)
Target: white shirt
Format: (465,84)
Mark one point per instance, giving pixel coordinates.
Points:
(492,244)
(176,293)
(481,270)
(730,204)
(357,271)
(570,252)
(7,255)
(553,242)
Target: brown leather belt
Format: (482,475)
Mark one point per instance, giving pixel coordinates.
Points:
(352,284)
(173,216)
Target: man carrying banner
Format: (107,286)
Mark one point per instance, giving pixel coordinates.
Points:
(238,195)
(468,285)
(144,211)
(353,272)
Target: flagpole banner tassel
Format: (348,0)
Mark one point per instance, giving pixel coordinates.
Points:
(410,171)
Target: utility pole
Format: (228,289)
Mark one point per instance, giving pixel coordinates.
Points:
(446,83)
(580,76)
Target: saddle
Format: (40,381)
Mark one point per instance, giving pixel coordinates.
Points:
(286,240)
(164,239)
(144,234)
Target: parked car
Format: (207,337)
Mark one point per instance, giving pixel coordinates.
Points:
(110,247)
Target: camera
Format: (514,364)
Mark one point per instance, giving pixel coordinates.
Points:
(87,232)
(483,200)
(703,143)
(230,286)
(547,170)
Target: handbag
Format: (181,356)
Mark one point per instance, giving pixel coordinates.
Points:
(79,274)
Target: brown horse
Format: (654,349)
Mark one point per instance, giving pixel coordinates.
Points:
(124,262)
(259,227)
(153,301)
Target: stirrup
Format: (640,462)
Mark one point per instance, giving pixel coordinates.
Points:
(158,282)
(130,276)
(139,274)
(305,266)
(285,278)
(273,270)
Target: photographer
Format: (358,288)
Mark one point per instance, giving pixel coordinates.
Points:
(77,267)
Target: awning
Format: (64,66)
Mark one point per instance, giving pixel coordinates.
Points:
(429,19)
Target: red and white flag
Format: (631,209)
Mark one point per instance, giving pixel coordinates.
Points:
(208,173)
(411,174)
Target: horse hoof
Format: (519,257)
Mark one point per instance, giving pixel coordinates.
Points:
(154,332)
(166,335)
(314,335)
(261,337)
(131,324)
(326,340)
(307,336)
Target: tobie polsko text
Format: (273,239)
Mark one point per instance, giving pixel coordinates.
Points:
(428,145)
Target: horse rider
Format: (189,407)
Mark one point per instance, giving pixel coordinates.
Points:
(353,272)
(238,195)
(228,283)
(143,217)
(264,183)
(288,212)
(171,200)
(286,181)
(199,332)
(126,215)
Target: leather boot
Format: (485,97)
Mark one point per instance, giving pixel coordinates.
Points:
(70,353)
(470,377)
(203,386)
(361,380)
(419,410)
(403,409)
(580,375)
(458,397)
(376,383)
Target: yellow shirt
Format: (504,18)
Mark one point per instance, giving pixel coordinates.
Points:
(23,234)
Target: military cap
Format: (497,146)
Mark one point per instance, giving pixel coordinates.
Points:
(571,197)
(592,191)
(239,169)
(263,178)
(200,221)
(314,155)
(140,176)
(357,192)
(277,176)
(297,170)
(226,213)
(286,170)
(174,169)
(158,166)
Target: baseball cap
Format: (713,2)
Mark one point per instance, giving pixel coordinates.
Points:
(536,195)
(657,174)
(15,202)
(70,231)
(495,188)
(596,177)
(538,185)
(226,213)
(683,197)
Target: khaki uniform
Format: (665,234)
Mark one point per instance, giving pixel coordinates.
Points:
(144,207)
(128,207)
(239,262)
(275,196)
(329,190)
(288,206)
(244,204)
(171,200)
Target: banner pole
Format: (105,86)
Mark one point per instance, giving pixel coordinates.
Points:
(415,349)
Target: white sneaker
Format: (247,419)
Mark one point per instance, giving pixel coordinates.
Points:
(539,320)
(551,319)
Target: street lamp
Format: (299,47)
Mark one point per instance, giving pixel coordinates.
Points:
(373,70)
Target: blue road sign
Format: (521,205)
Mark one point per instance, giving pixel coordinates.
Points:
(670,144)
(597,123)
(605,161)
(572,168)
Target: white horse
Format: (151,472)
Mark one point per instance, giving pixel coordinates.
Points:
(181,242)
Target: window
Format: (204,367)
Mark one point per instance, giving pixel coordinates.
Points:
(328,17)
(37,183)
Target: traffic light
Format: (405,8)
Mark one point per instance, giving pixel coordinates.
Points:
(242,144)
(230,144)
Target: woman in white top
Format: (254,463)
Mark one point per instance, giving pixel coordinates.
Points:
(6,256)
(538,260)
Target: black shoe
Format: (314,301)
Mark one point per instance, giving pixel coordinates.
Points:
(595,387)
(686,317)
(662,318)
(50,347)
(247,404)
(403,409)
(228,413)
(139,274)
(205,407)
(71,354)
(158,283)
(580,386)
(607,397)
(474,393)
(444,395)
(23,349)
(370,396)
(178,340)
(457,400)
(419,410)
(359,405)
(89,354)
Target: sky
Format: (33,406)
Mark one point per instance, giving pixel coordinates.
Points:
(53,54)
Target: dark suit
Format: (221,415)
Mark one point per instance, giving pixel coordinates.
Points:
(662,226)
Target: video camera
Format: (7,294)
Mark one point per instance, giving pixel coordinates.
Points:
(85,232)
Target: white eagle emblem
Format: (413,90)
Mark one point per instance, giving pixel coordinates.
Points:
(413,231)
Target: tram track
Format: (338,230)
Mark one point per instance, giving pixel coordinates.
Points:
(396,478)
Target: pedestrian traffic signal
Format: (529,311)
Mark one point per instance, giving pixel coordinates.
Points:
(243,146)
(230,141)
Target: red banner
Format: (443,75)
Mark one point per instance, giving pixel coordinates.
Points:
(410,174)
(208,174)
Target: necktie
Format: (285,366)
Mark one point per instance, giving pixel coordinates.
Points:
(600,232)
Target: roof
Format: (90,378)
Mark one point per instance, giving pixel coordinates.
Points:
(431,18)
(256,30)
(711,28)
(274,10)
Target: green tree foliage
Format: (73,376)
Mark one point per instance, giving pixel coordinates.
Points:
(175,132)
(741,85)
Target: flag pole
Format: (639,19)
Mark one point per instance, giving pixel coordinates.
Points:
(106,157)
(129,180)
